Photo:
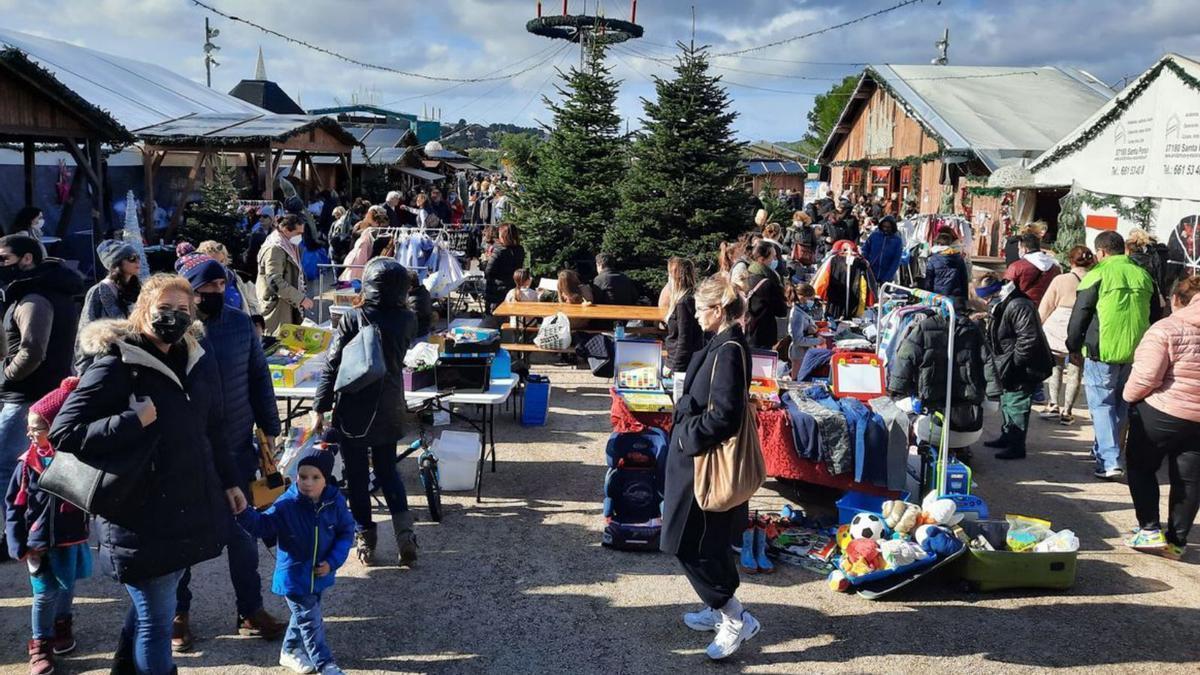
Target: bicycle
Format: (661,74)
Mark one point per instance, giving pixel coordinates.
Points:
(427,471)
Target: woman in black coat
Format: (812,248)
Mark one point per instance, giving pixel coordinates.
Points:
(708,413)
(684,336)
(765,293)
(370,420)
(508,257)
(153,387)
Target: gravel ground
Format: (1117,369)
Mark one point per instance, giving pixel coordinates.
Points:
(520,583)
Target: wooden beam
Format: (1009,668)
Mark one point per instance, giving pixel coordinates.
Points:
(30,169)
(82,161)
(272,159)
(99,210)
(148,162)
(316,174)
(177,217)
(349,167)
(251,167)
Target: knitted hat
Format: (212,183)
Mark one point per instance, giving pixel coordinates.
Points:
(113,251)
(184,248)
(199,269)
(48,406)
(323,461)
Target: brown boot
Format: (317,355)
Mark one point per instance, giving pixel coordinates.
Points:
(262,625)
(64,636)
(41,657)
(182,640)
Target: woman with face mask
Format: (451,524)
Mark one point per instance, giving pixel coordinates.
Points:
(765,295)
(153,387)
(280,282)
(115,294)
(31,221)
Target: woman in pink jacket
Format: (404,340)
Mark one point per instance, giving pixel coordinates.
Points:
(1163,391)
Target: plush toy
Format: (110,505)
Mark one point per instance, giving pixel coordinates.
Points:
(867,526)
(898,553)
(865,551)
(843,537)
(940,542)
(838,582)
(923,532)
(936,511)
(900,516)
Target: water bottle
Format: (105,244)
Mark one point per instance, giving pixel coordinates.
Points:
(620,331)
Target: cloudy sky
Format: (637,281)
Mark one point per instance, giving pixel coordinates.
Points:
(772,89)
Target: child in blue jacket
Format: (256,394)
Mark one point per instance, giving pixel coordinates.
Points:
(315,531)
(50,535)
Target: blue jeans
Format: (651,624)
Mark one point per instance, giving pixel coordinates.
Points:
(1103,383)
(49,605)
(306,630)
(242,552)
(14,422)
(147,631)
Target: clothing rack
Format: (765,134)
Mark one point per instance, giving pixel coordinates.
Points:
(945,302)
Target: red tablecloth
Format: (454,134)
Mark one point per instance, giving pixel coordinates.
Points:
(779,451)
(625,420)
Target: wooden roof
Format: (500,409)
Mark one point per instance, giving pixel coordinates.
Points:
(34,105)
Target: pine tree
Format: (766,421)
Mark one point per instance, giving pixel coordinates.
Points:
(572,196)
(216,216)
(684,193)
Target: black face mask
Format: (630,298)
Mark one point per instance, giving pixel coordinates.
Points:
(9,273)
(170,326)
(211,304)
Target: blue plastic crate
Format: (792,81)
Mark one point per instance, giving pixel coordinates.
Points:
(537,401)
(854,503)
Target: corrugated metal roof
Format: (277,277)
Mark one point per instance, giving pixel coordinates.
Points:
(235,129)
(1000,114)
(423,175)
(137,94)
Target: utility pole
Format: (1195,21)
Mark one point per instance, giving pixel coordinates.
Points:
(209,48)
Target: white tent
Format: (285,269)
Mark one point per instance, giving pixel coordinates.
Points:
(1143,144)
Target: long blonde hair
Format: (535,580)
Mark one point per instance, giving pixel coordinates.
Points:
(681,279)
(152,291)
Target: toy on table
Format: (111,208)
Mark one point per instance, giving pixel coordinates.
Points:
(899,552)
(637,375)
(939,511)
(900,516)
(863,557)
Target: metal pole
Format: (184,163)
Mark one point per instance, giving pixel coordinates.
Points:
(207,61)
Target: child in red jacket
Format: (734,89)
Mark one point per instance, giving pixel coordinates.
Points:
(50,535)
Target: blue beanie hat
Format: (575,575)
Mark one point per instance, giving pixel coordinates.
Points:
(323,461)
(199,269)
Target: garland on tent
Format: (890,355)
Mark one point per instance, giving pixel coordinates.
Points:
(915,160)
(1117,111)
(984,191)
(1070,218)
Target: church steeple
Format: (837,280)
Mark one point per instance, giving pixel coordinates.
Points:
(260,71)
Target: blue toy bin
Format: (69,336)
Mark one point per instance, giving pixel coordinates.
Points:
(854,503)
(537,401)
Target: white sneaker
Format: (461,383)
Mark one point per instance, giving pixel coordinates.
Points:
(704,621)
(297,663)
(1049,412)
(731,635)
(332,669)
(1109,474)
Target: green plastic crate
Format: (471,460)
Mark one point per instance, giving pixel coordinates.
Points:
(998,570)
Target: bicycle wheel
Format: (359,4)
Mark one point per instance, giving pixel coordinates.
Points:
(433,491)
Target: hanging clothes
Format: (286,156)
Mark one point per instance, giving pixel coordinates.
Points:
(845,283)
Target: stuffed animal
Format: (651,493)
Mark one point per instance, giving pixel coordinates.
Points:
(898,553)
(936,511)
(843,537)
(838,582)
(867,526)
(923,532)
(865,551)
(941,542)
(900,516)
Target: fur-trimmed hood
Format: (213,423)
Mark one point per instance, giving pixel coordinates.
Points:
(100,337)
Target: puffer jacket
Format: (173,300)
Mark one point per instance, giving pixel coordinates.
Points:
(245,386)
(37,520)
(308,533)
(1114,305)
(373,415)
(946,273)
(181,518)
(919,367)
(1166,367)
(1020,353)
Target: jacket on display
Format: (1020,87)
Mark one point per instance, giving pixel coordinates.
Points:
(919,366)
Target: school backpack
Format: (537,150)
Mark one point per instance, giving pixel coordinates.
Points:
(633,490)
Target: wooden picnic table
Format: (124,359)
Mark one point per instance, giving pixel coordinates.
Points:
(541,310)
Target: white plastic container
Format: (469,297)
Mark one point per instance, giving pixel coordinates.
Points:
(457,453)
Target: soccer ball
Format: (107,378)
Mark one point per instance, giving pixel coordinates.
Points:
(867,526)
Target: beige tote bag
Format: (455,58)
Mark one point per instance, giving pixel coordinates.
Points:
(729,474)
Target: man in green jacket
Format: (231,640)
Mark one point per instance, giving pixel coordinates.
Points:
(1115,305)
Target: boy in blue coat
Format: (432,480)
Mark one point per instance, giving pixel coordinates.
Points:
(315,531)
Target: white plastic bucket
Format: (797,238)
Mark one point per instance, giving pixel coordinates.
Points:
(457,453)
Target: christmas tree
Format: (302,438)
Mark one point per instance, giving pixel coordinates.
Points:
(216,218)
(572,197)
(683,194)
(132,234)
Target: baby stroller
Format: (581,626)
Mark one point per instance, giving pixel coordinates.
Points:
(633,490)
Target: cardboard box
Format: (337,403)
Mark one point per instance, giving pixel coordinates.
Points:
(299,355)
(637,375)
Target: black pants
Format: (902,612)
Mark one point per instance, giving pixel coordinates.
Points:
(1154,436)
(715,579)
(358,478)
